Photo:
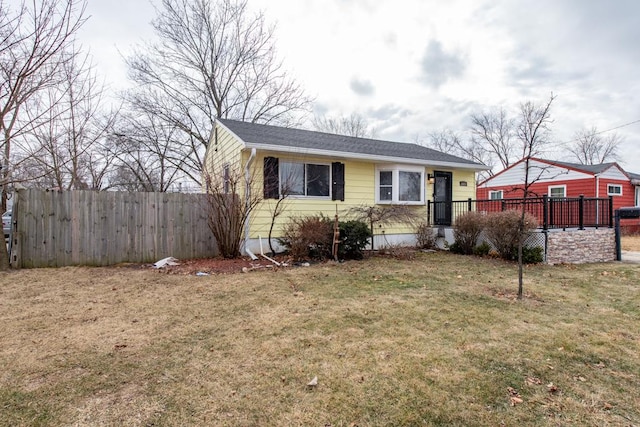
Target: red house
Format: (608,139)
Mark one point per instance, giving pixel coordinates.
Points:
(562,179)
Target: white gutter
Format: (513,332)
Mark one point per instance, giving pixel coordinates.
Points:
(247,179)
(362,156)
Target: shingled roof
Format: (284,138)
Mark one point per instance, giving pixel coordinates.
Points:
(594,169)
(297,140)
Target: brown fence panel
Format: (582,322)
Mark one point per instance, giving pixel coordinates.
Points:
(59,228)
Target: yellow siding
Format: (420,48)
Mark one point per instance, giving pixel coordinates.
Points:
(464,193)
(224,149)
(359,186)
(359,191)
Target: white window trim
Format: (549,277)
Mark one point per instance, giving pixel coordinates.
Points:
(564,189)
(609,193)
(637,196)
(500,192)
(395,194)
(302,196)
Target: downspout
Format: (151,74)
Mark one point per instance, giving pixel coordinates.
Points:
(247,179)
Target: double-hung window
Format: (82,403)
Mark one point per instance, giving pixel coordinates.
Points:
(614,190)
(557,191)
(495,194)
(400,184)
(305,179)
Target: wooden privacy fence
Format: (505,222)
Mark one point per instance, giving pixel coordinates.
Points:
(60,228)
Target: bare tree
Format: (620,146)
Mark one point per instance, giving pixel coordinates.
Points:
(590,147)
(214,59)
(148,154)
(492,141)
(353,125)
(450,142)
(533,131)
(494,132)
(33,40)
(65,151)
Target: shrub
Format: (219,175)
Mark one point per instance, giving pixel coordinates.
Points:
(467,229)
(308,237)
(501,229)
(455,248)
(482,249)
(425,237)
(354,237)
(531,255)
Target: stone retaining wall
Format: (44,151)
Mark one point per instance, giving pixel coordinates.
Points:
(580,246)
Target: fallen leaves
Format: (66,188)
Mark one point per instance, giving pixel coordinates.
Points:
(552,388)
(533,381)
(514,396)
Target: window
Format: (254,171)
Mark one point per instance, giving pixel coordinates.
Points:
(386,186)
(226,178)
(557,190)
(495,195)
(400,184)
(614,190)
(637,196)
(304,179)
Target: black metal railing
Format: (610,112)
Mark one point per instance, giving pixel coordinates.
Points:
(551,212)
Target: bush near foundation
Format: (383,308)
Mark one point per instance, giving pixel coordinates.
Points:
(502,230)
(309,237)
(466,231)
(425,237)
(354,238)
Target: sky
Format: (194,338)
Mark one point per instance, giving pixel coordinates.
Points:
(412,67)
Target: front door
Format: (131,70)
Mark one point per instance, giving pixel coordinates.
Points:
(442,198)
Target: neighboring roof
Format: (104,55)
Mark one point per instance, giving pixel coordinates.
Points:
(579,167)
(298,140)
(593,169)
(635,178)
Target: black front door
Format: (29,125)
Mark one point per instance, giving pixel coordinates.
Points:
(442,198)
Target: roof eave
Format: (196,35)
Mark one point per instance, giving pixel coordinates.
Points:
(363,156)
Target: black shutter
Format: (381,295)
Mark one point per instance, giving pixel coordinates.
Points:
(337,185)
(271,181)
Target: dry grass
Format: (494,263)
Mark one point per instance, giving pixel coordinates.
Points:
(436,340)
(630,243)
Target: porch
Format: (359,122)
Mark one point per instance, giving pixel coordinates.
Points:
(551,212)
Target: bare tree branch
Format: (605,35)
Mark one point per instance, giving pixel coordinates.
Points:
(353,125)
(592,148)
(493,132)
(214,59)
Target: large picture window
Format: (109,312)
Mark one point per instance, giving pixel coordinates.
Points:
(400,184)
(305,179)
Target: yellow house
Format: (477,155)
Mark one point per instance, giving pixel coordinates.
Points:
(314,172)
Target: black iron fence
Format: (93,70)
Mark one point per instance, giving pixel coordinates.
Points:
(551,212)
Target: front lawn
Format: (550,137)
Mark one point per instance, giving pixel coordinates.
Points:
(437,340)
